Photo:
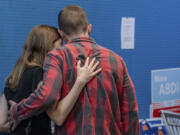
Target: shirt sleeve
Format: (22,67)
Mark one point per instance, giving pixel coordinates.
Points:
(42,97)
(129,106)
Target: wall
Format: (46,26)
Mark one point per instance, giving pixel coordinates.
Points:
(157,34)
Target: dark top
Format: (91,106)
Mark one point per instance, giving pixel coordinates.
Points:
(37,125)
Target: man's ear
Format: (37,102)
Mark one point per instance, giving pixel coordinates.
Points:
(89,28)
(61,33)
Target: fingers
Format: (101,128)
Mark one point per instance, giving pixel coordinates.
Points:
(12,121)
(92,66)
(7,125)
(95,66)
(78,64)
(86,62)
(12,102)
(91,63)
(15,124)
(13,127)
(96,72)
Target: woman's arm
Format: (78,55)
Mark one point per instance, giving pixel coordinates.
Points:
(4,124)
(59,111)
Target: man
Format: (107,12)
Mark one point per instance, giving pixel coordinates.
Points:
(106,106)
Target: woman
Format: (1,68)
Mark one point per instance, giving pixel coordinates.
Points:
(27,73)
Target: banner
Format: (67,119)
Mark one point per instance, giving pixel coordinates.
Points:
(165,90)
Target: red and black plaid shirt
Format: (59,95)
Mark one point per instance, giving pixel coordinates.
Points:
(107,105)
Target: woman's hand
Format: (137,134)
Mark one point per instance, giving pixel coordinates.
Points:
(59,111)
(88,71)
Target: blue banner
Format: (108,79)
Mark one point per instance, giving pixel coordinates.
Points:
(165,85)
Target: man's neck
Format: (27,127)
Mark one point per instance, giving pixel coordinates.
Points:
(68,38)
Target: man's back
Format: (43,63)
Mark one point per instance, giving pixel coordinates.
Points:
(108,102)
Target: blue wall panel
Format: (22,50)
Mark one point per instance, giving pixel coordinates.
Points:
(157,34)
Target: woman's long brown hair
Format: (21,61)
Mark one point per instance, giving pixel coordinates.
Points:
(38,43)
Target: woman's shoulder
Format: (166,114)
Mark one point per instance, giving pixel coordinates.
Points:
(32,72)
(34,69)
(9,93)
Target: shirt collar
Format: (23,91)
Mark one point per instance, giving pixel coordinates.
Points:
(81,39)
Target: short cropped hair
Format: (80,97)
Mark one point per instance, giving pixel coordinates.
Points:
(73,20)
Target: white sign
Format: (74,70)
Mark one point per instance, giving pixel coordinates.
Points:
(165,85)
(127,32)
